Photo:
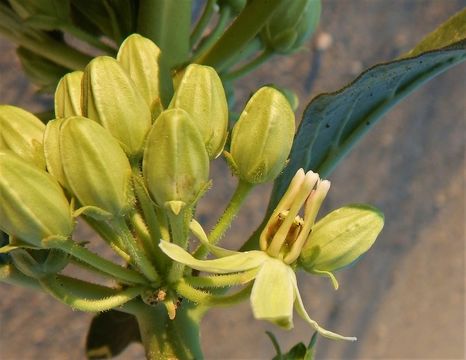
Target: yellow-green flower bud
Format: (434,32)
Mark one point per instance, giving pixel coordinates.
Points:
(340,238)
(262,137)
(32,204)
(291,25)
(111,98)
(22,132)
(200,93)
(96,168)
(68,95)
(139,56)
(175,164)
(52,151)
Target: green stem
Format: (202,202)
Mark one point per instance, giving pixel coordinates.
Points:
(168,24)
(9,274)
(158,229)
(240,194)
(120,273)
(203,21)
(207,299)
(109,236)
(216,33)
(165,339)
(247,51)
(136,252)
(248,67)
(179,225)
(246,26)
(88,38)
(53,286)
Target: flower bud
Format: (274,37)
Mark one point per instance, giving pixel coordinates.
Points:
(96,168)
(262,137)
(200,93)
(175,164)
(291,25)
(139,56)
(341,237)
(111,98)
(52,151)
(22,133)
(68,95)
(32,204)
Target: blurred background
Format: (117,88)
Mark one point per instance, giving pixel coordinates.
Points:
(405,298)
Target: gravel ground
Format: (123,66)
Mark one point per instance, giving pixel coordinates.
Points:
(405,299)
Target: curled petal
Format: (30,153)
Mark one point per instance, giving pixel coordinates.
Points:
(240,261)
(302,312)
(199,233)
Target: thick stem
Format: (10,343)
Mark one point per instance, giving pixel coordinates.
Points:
(179,225)
(135,250)
(165,339)
(168,24)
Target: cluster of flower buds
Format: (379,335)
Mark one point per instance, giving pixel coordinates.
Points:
(135,170)
(109,125)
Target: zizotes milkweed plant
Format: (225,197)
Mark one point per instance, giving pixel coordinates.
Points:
(135,171)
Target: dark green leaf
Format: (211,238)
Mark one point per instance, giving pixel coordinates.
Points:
(333,123)
(110,333)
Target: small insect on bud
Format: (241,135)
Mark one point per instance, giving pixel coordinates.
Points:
(68,95)
(200,93)
(32,203)
(139,56)
(175,164)
(22,132)
(111,98)
(96,168)
(291,25)
(262,137)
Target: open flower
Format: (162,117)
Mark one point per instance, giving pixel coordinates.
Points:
(275,292)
